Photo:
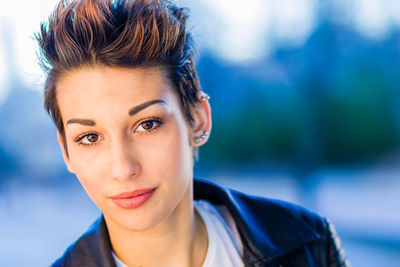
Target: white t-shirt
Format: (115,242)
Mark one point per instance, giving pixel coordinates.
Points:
(224,244)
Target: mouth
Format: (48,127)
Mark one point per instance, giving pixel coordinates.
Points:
(133,199)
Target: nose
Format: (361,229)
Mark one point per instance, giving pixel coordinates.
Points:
(124,165)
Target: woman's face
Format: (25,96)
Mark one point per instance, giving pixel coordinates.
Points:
(128,142)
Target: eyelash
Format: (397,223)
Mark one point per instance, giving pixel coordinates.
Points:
(83,135)
(152,119)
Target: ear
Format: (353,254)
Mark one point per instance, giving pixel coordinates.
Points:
(64,152)
(202,121)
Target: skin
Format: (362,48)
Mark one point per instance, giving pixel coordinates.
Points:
(111,152)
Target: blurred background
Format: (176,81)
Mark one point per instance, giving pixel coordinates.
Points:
(306,108)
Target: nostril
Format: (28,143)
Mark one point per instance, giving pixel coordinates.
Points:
(124,172)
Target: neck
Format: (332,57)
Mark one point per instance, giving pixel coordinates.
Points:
(179,240)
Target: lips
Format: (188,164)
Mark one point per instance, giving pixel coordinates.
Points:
(133,199)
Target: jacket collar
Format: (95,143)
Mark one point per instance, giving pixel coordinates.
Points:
(269,229)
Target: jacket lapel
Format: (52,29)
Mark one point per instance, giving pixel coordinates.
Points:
(91,250)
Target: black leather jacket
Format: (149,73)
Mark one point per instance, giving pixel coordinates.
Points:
(273,233)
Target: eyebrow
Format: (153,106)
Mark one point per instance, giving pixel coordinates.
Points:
(132,112)
(144,105)
(81,121)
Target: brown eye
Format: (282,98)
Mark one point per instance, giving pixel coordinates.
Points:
(92,137)
(149,125)
(89,139)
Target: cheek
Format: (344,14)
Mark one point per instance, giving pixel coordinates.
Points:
(172,150)
(88,169)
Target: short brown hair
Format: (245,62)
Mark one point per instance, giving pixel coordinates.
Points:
(122,33)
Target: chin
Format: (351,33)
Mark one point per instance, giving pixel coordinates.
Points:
(135,224)
(130,221)
(138,220)
(147,219)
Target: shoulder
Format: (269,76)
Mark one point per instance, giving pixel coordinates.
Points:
(259,211)
(283,213)
(91,249)
(274,229)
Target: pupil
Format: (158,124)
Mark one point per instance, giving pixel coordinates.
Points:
(92,138)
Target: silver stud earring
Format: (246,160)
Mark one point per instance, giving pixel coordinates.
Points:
(198,139)
(204,97)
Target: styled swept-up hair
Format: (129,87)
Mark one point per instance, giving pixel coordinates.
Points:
(120,33)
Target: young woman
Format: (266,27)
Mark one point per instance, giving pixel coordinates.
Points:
(123,92)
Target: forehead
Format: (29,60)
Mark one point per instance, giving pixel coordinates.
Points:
(88,89)
(112,79)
